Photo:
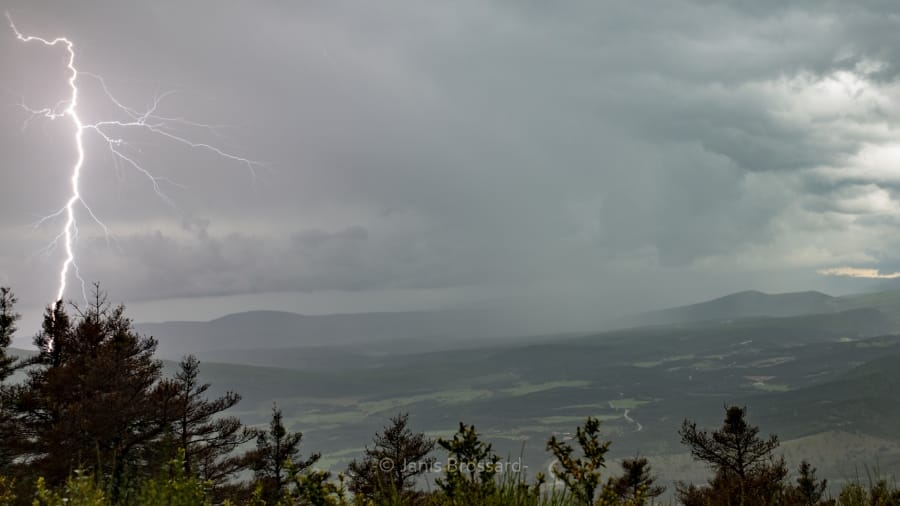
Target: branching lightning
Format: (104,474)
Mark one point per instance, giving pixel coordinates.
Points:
(148,121)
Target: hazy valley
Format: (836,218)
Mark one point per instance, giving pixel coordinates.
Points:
(820,371)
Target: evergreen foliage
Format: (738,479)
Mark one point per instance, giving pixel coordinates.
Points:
(209,441)
(637,481)
(581,474)
(389,468)
(8,319)
(277,458)
(471,468)
(746,469)
(8,364)
(93,398)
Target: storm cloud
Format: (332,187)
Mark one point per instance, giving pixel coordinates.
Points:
(616,155)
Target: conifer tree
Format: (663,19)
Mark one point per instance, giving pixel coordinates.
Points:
(8,428)
(208,441)
(746,470)
(471,466)
(809,490)
(94,397)
(637,482)
(278,454)
(389,468)
(52,341)
(8,319)
(581,475)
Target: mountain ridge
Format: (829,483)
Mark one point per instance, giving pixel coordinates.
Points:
(743,304)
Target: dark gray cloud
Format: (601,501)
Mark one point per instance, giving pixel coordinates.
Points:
(639,154)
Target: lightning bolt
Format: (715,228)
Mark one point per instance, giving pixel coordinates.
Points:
(148,120)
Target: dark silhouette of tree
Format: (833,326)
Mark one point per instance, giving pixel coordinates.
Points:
(735,448)
(882,493)
(208,441)
(581,475)
(8,319)
(93,397)
(8,364)
(314,487)
(277,453)
(746,471)
(389,468)
(808,491)
(52,341)
(636,483)
(469,474)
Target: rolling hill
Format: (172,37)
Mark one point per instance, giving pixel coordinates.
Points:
(244,337)
(370,332)
(755,304)
(747,304)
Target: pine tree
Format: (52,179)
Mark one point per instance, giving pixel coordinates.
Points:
(471,466)
(581,475)
(746,470)
(277,453)
(94,398)
(8,319)
(9,431)
(389,468)
(637,482)
(809,491)
(208,441)
(52,341)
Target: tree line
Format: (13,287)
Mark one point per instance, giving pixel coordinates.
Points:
(94,421)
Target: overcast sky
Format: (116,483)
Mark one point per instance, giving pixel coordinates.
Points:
(605,156)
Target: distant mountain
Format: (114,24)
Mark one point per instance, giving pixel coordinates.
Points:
(367,332)
(888,302)
(246,337)
(866,398)
(748,304)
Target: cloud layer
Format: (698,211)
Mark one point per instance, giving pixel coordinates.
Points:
(637,154)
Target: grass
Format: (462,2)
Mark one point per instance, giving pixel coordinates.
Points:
(772,362)
(771,387)
(627,403)
(528,388)
(571,421)
(366,409)
(659,362)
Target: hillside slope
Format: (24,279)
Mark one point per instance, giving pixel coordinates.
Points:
(747,304)
(279,329)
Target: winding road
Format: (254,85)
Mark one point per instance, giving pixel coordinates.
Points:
(625,415)
(628,418)
(632,420)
